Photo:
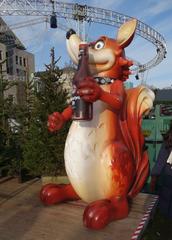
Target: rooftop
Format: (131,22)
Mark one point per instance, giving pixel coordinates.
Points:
(7,36)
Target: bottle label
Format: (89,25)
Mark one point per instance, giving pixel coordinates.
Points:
(75,97)
(81,110)
(74,101)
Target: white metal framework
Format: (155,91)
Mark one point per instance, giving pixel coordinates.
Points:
(84,13)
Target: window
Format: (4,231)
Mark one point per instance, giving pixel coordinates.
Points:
(0,55)
(17,60)
(24,74)
(24,62)
(7,67)
(17,71)
(21,61)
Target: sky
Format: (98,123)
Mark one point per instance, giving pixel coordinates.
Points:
(40,38)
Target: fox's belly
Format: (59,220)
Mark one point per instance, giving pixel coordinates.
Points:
(88,156)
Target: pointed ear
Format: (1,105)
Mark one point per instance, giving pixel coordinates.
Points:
(126,33)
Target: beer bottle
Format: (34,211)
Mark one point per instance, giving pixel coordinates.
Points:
(82,110)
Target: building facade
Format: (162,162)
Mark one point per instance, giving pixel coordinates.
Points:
(16,64)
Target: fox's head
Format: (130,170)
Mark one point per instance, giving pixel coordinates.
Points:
(106,55)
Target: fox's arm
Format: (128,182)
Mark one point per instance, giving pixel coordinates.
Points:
(67,113)
(90,91)
(115,97)
(56,120)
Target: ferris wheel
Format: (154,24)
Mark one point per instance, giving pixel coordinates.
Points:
(61,14)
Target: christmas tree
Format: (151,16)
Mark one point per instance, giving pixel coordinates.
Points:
(43,151)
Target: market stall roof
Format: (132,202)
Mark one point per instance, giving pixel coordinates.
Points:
(163,95)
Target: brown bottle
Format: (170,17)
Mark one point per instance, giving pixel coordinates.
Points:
(82,110)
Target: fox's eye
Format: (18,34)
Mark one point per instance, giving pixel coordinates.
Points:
(99,45)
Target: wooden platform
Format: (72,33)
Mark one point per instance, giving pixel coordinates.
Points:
(23,217)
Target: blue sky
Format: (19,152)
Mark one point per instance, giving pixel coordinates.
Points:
(157,13)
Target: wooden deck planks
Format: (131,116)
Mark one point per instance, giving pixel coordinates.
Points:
(23,217)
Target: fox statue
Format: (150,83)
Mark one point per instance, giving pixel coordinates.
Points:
(105,158)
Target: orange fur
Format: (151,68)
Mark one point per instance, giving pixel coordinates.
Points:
(120,69)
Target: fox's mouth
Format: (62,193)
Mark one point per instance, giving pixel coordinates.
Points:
(98,64)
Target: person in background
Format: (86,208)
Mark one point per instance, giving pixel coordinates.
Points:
(163,168)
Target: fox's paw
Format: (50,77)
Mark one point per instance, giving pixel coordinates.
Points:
(55,121)
(98,214)
(89,90)
(51,194)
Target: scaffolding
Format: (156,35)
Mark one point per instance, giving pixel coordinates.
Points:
(82,14)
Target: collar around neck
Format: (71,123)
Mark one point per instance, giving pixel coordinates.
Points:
(104,80)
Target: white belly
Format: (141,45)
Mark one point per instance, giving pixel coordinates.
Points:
(87,162)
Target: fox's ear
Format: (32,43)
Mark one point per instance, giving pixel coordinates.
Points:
(126,33)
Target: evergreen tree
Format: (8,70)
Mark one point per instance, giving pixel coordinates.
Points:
(22,115)
(43,151)
(7,145)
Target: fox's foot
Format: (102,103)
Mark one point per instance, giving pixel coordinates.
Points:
(100,213)
(56,193)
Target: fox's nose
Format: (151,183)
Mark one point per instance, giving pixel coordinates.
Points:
(69,33)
